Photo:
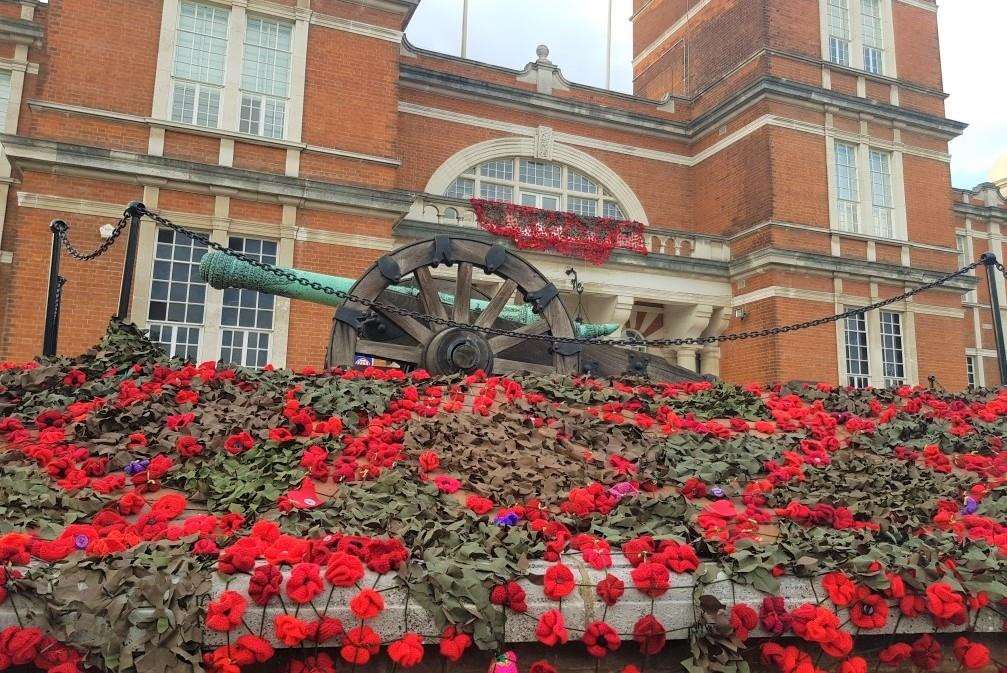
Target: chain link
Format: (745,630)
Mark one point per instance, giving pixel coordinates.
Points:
(61,230)
(382,307)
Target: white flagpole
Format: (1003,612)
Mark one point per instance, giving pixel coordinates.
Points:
(465,28)
(608,49)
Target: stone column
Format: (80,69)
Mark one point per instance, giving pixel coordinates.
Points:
(686,321)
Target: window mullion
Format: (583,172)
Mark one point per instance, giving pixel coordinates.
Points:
(856,35)
(231,99)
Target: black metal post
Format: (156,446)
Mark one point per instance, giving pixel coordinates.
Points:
(134,212)
(51,334)
(990,260)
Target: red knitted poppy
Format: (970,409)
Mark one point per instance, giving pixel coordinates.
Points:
(610,589)
(407,651)
(600,639)
(559,582)
(454,643)
(225,613)
(551,629)
(367,604)
(650,578)
(304,583)
(650,634)
(344,570)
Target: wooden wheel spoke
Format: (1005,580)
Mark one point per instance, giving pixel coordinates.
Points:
(410,326)
(463,292)
(429,296)
(490,314)
(389,351)
(499,344)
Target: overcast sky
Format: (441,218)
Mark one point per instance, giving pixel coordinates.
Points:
(506,32)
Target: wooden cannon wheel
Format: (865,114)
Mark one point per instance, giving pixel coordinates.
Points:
(448,350)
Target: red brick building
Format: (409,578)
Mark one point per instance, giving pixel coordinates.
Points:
(788,157)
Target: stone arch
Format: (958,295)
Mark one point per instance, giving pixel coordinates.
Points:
(527,147)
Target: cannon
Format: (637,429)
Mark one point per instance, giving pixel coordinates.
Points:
(404,279)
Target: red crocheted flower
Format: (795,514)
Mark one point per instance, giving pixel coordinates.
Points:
(510,595)
(610,589)
(131,503)
(870,610)
(971,655)
(264,584)
(361,644)
(367,604)
(290,630)
(679,558)
(249,649)
(454,643)
(743,620)
(773,615)
(895,654)
(650,634)
(853,665)
(650,578)
(188,446)
(429,461)
(225,613)
(316,663)
(600,639)
(927,653)
(325,629)
(478,504)
(638,549)
(551,629)
(20,645)
(305,583)
(344,570)
(944,603)
(239,443)
(407,651)
(841,589)
(559,582)
(542,666)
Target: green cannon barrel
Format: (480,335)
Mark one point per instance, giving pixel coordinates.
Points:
(221,271)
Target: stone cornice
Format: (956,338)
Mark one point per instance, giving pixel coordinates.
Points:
(435,80)
(21,31)
(767,87)
(145,169)
(826,264)
(982,212)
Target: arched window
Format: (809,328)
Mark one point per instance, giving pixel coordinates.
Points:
(536,183)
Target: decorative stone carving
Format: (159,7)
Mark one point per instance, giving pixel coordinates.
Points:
(543,142)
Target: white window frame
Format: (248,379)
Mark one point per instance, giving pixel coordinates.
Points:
(893,349)
(250,96)
(229,120)
(159,324)
(865,50)
(861,377)
(876,206)
(201,89)
(965,244)
(972,364)
(488,178)
(211,328)
(248,330)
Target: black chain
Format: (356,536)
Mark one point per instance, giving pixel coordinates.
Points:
(491,331)
(60,229)
(58,300)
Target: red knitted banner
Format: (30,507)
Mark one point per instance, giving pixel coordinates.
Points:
(589,238)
